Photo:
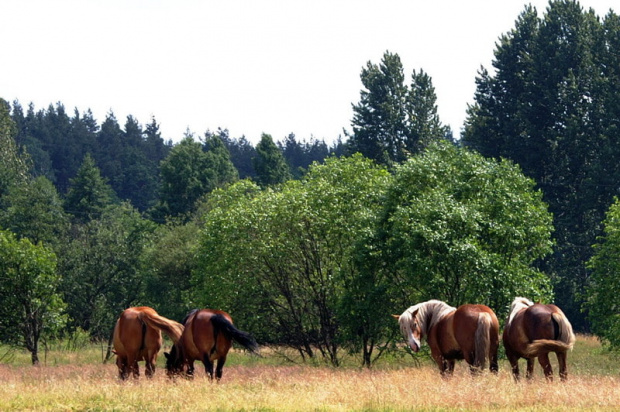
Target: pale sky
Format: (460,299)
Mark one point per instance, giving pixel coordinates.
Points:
(251,66)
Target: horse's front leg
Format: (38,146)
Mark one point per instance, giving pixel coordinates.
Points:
(440,361)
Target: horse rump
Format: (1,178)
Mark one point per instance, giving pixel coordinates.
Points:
(220,323)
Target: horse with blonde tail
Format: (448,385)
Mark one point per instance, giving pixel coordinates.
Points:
(469,332)
(137,337)
(533,331)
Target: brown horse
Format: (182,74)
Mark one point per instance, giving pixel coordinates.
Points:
(534,330)
(207,337)
(137,337)
(470,332)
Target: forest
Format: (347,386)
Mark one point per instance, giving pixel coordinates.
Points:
(313,246)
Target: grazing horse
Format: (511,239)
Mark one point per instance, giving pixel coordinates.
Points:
(207,337)
(137,337)
(534,330)
(470,332)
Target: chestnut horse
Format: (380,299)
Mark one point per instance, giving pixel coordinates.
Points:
(207,337)
(137,337)
(534,330)
(470,332)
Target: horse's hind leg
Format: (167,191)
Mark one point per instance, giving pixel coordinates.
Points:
(220,368)
(514,363)
(546,365)
(149,369)
(530,368)
(123,370)
(562,365)
(208,366)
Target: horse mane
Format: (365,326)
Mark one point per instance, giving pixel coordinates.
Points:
(517,305)
(428,314)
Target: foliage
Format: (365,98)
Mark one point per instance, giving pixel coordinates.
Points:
(190,172)
(603,292)
(551,106)
(269,164)
(34,210)
(391,120)
(89,193)
(463,229)
(13,164)
(167,265)
(30,305)
(281,260)
(101,264)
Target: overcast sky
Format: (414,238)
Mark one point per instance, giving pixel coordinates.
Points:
(253,67)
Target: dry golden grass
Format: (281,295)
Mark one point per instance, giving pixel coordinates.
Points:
(303,388)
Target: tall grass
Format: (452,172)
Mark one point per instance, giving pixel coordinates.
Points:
(263,384)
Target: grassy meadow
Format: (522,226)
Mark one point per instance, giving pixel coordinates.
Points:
(77,380)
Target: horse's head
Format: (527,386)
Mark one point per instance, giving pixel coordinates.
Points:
(410,328)
(174,362)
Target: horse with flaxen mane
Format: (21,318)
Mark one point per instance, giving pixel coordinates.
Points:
(207,337)
(137,337)
(532,331)
(469,332)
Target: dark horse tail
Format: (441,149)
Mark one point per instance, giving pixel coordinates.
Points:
(565,338)
(221,324)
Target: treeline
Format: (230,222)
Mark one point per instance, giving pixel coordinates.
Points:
(313,246)
(130,157)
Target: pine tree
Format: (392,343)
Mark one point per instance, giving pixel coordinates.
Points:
(271,168)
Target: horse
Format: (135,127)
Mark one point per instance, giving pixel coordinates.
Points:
(207,337)
(137,337)
(469,332)
(532,331)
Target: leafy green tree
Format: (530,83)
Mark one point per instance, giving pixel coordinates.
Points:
(603,292)
(35,211)
(551,106)
(221,167)
(14,167)
(102,268)
(189,172)
(463,229)
(392,121)
(89,193)
(288,254)
(269,164)
(30,305)
(168,275)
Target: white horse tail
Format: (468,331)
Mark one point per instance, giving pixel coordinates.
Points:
(566,334)
(483,340)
